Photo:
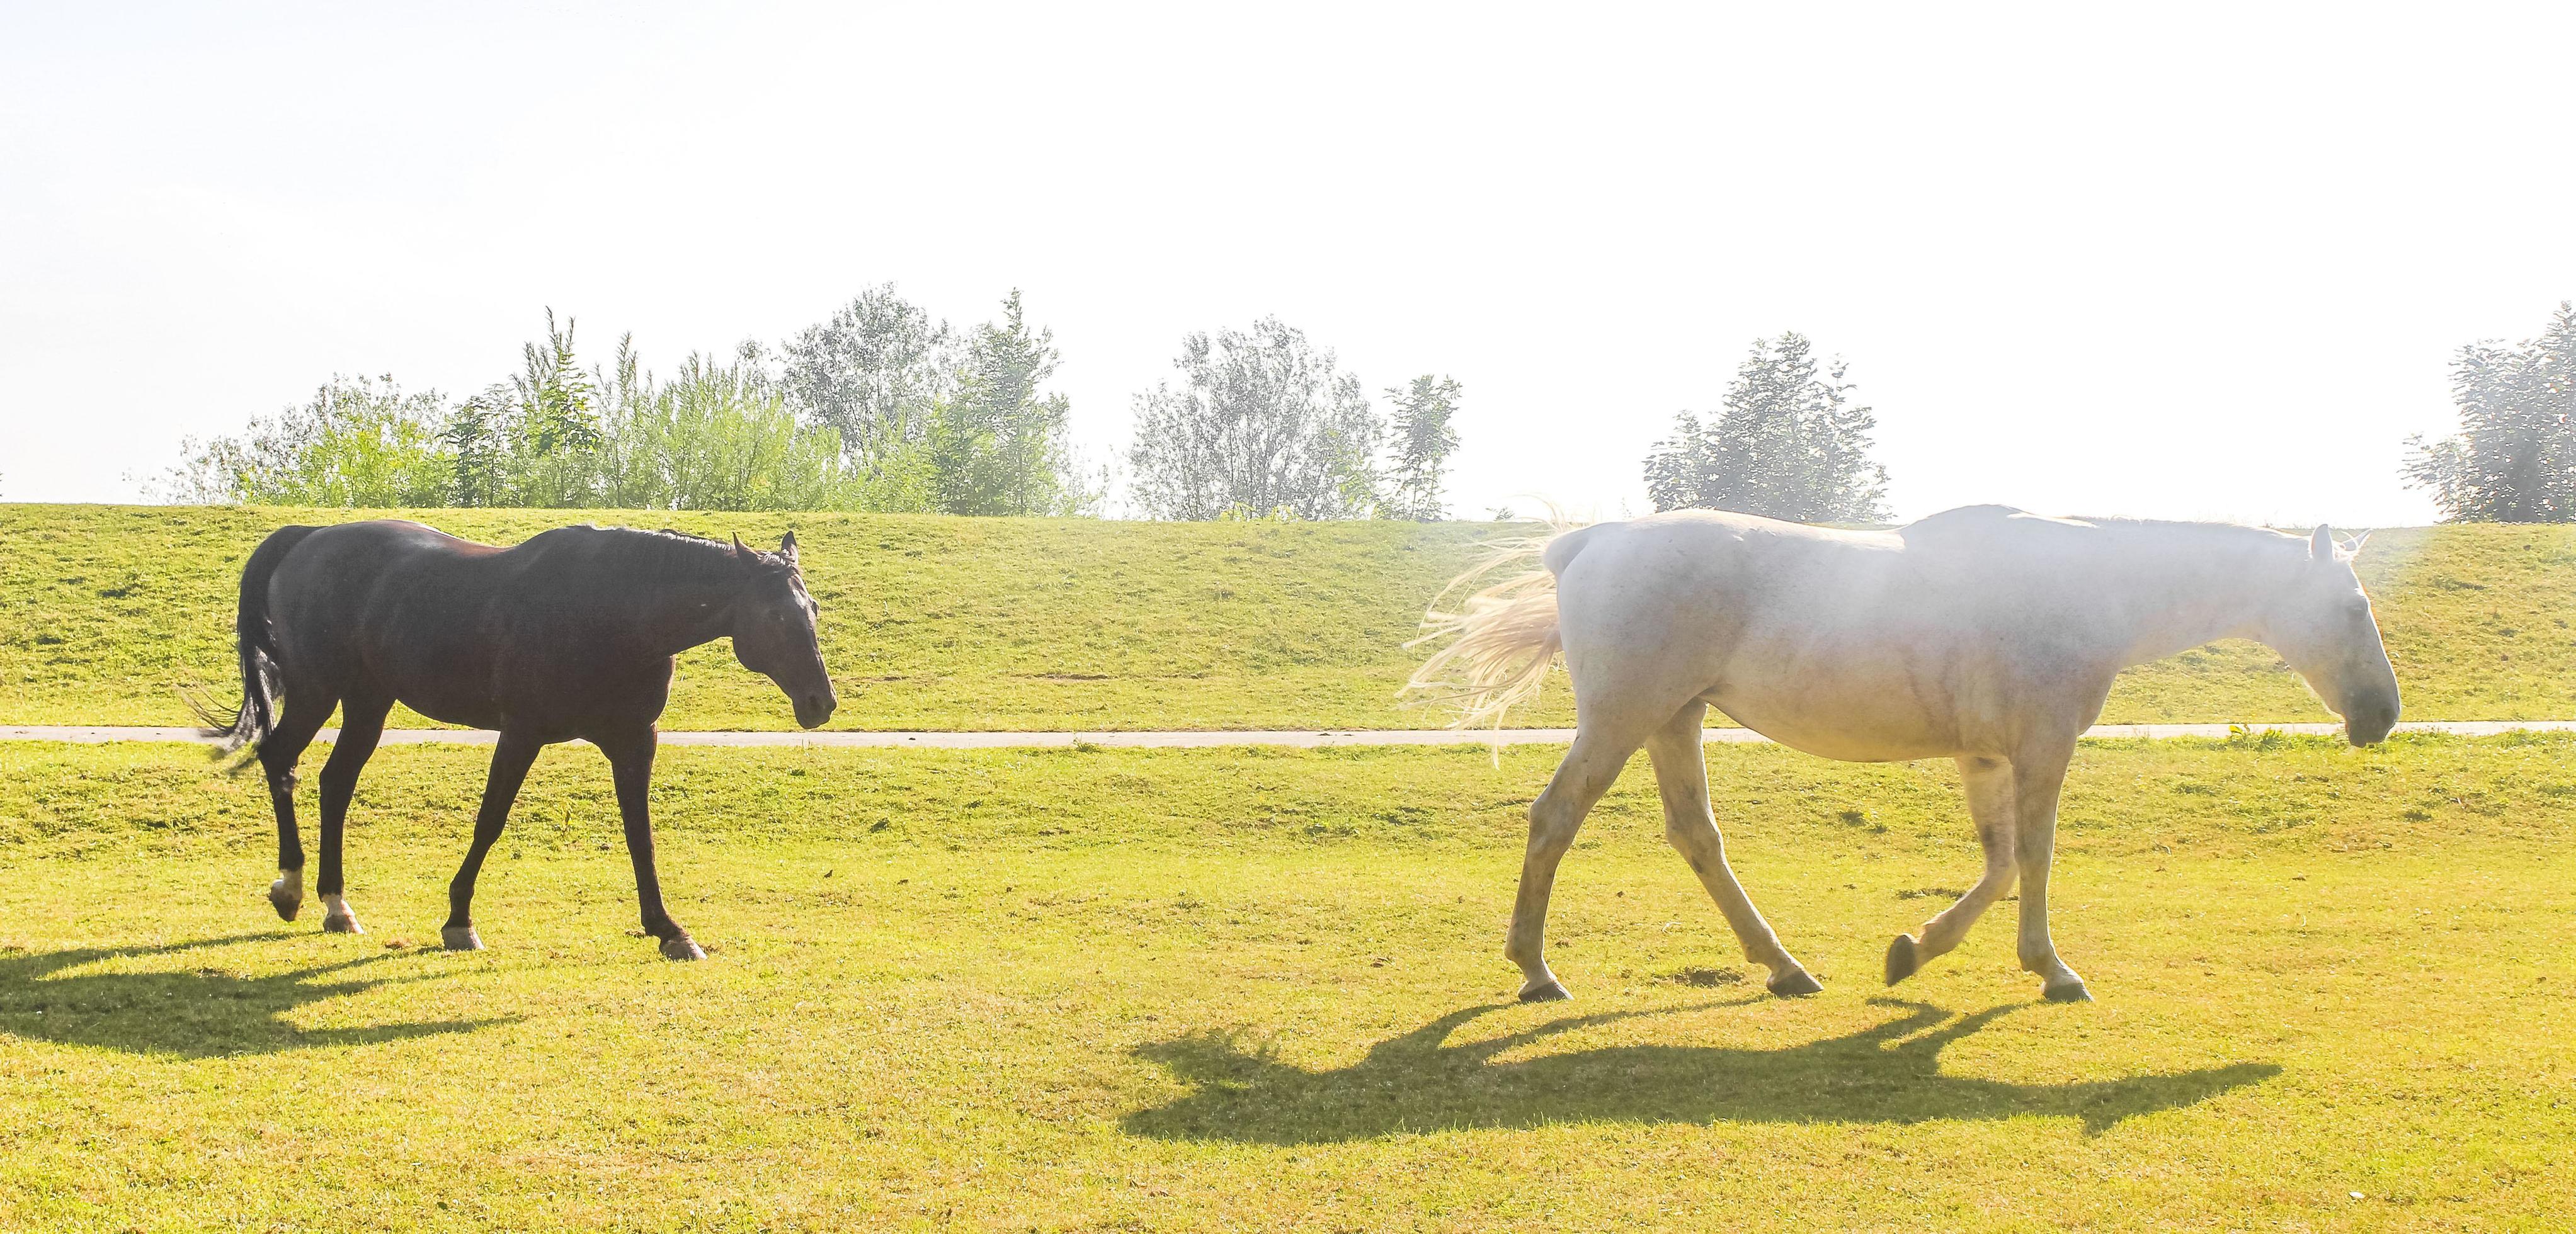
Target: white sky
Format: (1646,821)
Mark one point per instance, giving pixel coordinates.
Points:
(2170,260)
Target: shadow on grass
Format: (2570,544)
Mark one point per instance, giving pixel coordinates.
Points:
(193,1012)
(1883,1074)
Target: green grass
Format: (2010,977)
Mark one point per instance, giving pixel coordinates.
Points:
(950,623)
(1262,989)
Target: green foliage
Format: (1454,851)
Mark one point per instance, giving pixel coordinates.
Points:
(1423,441)
(472,436)
(874,372)
(719,436)
(933,622)
(2515,458)
(996,445)
(557,424)
(1789,444)
(1263,421)
(358,442)
(557,435)
(1264,990)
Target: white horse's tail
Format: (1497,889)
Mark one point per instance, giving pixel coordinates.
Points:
(1503,634)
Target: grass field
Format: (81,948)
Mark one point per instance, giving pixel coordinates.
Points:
(1262,989)
(951,623)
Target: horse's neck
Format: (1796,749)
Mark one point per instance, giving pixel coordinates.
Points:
(2193,585)
(685,606)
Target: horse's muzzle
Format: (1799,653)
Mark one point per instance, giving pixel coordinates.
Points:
(2370,723)
(813,709)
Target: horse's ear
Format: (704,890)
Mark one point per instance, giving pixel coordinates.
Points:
(787,548)
(2352,547)
(743,553)
(2321,546)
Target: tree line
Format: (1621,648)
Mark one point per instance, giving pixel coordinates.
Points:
(1789,440)
(883,407)
(878,407)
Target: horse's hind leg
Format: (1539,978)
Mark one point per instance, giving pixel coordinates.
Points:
(302,716)
(1989,782)
(1587,772)
(2037,780)
(361,724)
(1690,826)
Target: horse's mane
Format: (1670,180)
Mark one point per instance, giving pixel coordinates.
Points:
(665,552)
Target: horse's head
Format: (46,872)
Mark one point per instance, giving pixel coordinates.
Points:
(2321,623)
(773,629)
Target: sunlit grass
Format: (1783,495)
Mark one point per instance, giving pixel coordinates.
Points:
(951,623)
(1263,989)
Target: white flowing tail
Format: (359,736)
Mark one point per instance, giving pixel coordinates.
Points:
(1504,635)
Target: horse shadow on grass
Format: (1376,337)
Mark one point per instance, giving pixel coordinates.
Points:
(200,1012)
(1888,1073)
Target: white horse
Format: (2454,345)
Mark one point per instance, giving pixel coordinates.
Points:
(1983,634)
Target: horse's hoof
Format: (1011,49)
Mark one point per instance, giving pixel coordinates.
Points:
(2067,992)
(460,938)
(1548,991)
(342,923)
(1794,984)
(287,898)
(1902,959)
(682,947)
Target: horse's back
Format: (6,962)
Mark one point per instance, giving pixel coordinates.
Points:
(1705,585)
(337,565)
(1714,557)
(348,591)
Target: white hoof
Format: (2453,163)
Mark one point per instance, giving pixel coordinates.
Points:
(337,919)
(682,948)
(460,938)
(286,895)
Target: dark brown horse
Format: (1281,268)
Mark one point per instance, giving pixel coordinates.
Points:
(569,635)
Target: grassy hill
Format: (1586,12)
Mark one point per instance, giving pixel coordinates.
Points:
(1062,624)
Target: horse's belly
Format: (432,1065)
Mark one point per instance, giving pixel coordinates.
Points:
(471,714)
(1852,730)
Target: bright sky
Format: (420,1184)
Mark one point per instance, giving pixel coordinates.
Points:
(2158,260)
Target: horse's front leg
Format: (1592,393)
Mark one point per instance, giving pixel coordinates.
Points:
(2037,779)
(1989,782)
(511,759)
(630,759)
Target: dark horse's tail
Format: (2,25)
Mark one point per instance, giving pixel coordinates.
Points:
(249,724)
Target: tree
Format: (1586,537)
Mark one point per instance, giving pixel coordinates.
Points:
(997,446)
(557,421)
(357,442)
(1789,444)
(2514,460)
(1262,424)
(872,373)
(1423,442)
(473,440)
